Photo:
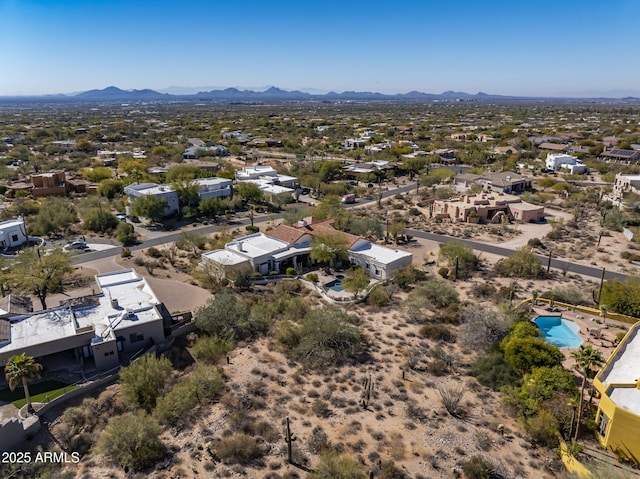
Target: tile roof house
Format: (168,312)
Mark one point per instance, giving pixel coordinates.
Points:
(290,246)
(620,155)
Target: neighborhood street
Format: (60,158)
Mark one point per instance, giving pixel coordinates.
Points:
(171,236)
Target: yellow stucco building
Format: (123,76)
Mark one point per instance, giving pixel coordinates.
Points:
(618,418)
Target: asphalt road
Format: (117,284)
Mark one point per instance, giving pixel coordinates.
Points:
(170,237)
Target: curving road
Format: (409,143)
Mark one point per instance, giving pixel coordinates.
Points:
(170,237)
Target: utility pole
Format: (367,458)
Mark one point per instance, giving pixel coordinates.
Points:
(549,262)
(601,284)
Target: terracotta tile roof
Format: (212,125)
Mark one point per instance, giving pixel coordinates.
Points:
(286,233)
(552,146)
(313,227)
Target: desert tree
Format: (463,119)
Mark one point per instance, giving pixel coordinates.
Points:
(355,280)
(40,274)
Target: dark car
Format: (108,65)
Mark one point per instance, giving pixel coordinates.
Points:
(305,191)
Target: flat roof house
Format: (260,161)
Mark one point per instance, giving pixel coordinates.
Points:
(487,208)
(625,184)
(12,233)
(124,317)
(561,161)
(214,187)
(618,382)
(159,191)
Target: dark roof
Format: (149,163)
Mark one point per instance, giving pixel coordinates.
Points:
(15,305)
(620,153)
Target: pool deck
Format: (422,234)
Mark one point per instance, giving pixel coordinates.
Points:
(601,336)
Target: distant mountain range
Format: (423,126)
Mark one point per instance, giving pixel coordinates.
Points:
(235,95)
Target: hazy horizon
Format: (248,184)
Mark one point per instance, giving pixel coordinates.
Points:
(530,48)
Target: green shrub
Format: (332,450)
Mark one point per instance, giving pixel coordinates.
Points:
(494,372)
(438,332)
(125,253)
(239,448)
(290,271)
(337,466)
(252,229)
(544,429)
(203,384)
(211,348)
(379,296)
(132,441)
(145,379)
(313,277)
(154,252)
(523,263)
(444,272)
(125,233)
(478,467)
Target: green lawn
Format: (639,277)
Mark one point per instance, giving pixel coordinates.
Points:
(40,392)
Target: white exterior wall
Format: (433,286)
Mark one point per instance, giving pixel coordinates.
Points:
(12,234)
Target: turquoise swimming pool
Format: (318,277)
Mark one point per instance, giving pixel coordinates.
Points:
(335,285)
(560,332)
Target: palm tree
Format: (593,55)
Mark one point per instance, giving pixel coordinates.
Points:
(586,358)
(20,369)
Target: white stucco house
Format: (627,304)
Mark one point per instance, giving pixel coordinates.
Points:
(559,161)
(13,233)
(124,317)
(290,246)
(158,191)
(212,187)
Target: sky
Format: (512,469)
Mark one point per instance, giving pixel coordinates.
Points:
(508,47)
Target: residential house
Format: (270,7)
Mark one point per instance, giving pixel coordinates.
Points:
(211,187)
(13,233)
(264,143)
(193,152)
(123,318)
(504,182)
(559,161)
(290,246)
(134,191)
(487,208)
(270,182)
(559,147)
(620,155)
(618,416)
(53,183)
(625,184)
(214,187)
(353,143)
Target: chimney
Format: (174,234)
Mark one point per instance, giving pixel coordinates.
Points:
(114,303)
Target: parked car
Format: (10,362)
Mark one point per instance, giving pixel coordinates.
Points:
(77,245)
(121,217)
(348,199)
(305,191)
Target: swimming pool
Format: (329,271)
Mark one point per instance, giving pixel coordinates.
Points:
(559,331)
(335,285)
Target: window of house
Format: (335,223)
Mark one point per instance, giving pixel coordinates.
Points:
(14,238)
(603,423)
(136,337)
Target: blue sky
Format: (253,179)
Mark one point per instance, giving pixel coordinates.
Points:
(511,47)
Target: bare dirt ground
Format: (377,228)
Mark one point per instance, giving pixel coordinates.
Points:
(405,420)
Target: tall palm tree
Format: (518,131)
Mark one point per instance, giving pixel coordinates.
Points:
(20,369)
(586,358)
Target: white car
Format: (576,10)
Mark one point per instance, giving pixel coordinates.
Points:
(77,245)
